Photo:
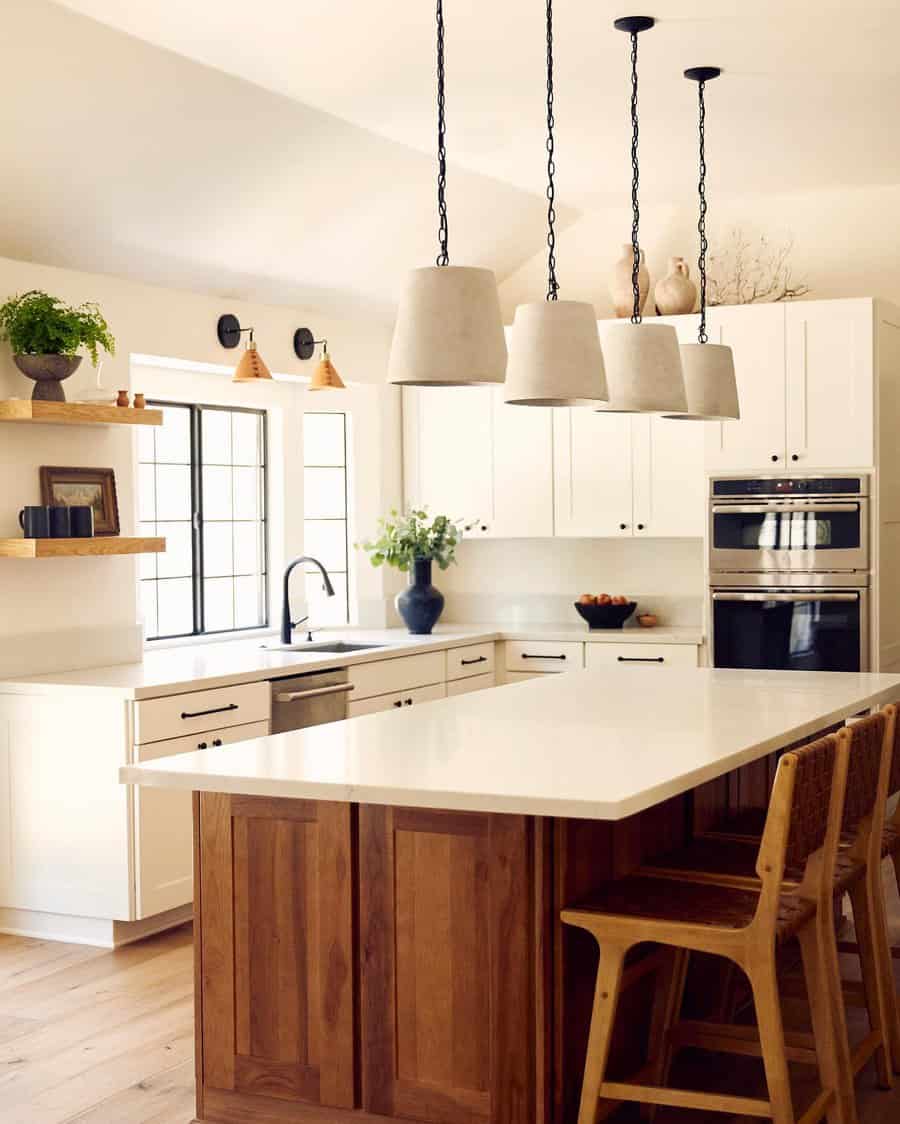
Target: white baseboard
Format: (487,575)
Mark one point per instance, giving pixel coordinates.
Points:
(98,931)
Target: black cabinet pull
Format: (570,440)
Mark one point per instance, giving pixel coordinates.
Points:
(398,702)
(640,526)
(775,457)
(526,656)
(202,713)
(478,659)
(217,741)
(203,745)
(641,659)
(623,526)
(407,702)
(794,457)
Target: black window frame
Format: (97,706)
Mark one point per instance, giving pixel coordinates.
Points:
(195,418)
(345,519)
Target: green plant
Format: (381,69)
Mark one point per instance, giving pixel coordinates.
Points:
(38,324)
(402,539)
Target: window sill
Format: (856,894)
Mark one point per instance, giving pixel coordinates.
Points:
(209,638)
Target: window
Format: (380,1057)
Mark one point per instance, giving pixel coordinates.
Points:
(325,513)
(202,485)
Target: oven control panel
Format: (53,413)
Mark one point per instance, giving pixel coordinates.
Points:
(791,486)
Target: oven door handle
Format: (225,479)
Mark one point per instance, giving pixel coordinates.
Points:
(797,597)
(782,508)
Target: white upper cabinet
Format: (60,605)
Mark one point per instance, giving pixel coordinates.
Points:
(758,441)
(669,482)
(593,473)
(468,455)
(830,384)
(806,378)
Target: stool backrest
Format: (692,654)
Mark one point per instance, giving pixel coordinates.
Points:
(866,750)
(803,825)
(894,784)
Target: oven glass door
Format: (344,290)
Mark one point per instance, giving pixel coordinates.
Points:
(789,631)
(788,536)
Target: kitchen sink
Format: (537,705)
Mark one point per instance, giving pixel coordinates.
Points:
(329,647)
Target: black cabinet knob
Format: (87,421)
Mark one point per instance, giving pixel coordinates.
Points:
(408,702)
(623,526)
(217,741)
(640,526)
(795,457)
(202,745)
(484,526)
(398,702)
(775,457)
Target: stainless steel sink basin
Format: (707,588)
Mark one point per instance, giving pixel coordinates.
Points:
(329,647)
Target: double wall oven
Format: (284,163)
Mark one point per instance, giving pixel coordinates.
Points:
(788,562)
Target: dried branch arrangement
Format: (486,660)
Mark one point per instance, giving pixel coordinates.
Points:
(751,271)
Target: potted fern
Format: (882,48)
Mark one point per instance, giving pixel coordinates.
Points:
(45,335)
(411,542)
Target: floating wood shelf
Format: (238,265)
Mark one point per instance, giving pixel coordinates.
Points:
(101,546)
(76,413)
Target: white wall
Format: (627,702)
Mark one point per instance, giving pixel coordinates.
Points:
(75,612)
(529,580)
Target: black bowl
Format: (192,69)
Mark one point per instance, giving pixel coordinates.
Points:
(605,616)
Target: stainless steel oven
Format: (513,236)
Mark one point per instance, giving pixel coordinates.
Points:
(780,524)
(796,622)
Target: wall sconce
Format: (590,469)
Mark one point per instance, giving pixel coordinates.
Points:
(324,377)
(251,368)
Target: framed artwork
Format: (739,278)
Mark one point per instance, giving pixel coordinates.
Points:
(90,487)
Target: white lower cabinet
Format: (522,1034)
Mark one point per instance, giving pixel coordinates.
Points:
(640,655)
(164,823)
(397,700)
(473,683)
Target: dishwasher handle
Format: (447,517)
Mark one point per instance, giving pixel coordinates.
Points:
(293,696)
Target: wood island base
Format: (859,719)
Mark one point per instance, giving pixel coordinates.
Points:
(364,963)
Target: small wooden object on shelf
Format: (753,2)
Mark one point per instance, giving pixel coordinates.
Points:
(95,547)
(122,400)
(75,413)
(139,402)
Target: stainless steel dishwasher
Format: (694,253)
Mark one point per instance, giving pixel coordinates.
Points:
(299,701)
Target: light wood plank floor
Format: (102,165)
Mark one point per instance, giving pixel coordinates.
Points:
(89,1036)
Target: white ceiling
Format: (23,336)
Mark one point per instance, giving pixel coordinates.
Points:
(809,96)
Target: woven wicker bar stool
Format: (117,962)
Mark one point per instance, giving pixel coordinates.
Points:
(747,925)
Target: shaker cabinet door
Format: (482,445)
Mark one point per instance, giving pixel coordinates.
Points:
(757,442)
(830,381)
(276,955)
(669,481)
(523,470)
(592,473)
(447,944)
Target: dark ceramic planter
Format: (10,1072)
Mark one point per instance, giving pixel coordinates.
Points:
(420,604)
(48,371)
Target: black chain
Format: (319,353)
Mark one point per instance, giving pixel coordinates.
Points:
(701,225)
(552,283)
(443,257)
(635,181)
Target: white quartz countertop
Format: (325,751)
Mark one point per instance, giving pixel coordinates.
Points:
(591,744)
(191,667)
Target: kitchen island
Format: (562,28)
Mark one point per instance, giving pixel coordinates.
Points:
(377,900)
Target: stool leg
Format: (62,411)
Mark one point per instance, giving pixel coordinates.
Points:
(820,969)
(886,966)
(866,929)
(764,982)
(895,859)
(666,1009)
(603,1019)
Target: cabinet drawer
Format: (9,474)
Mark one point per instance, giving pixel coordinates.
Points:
(396,700)
(641,655)
(164,845)
(473,683)
(543,655)
(198,711)
(473,659)
(386,676)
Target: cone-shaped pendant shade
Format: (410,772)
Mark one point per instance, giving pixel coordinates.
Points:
(325,377)
(709,383)
(449,330)
(643,369)
(555,357)
(251,366)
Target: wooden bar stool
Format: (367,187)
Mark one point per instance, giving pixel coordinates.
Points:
(728,860)
(745,925)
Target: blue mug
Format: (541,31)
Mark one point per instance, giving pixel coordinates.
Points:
(35,522)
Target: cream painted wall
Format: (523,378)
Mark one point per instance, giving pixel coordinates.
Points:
(846,243)
(528,580)
(77,612)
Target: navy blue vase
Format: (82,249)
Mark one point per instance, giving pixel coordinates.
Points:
(420,604)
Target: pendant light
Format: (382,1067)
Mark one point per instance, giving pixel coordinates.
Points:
(643,364)
(449,329)
(709,378)
(554,353)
